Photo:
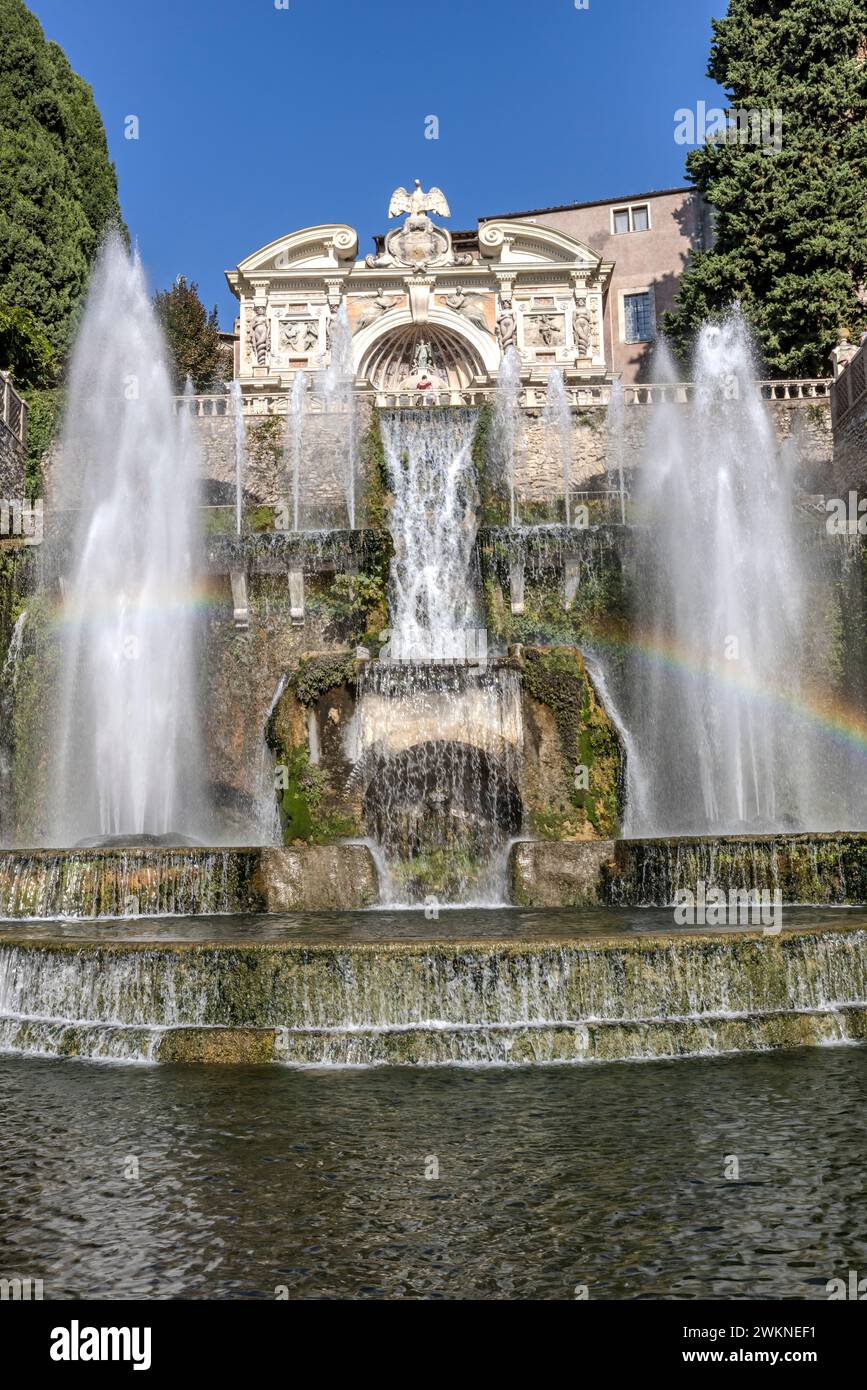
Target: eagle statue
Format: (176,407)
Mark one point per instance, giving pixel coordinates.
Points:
(418,202)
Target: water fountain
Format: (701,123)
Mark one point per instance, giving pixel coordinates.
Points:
(295,443)
(440,728)
(336,391)
(726,733)
(128,761)
(434,746)
(240,432)
(433,523)
(616,421)
(507,426)
(558,418)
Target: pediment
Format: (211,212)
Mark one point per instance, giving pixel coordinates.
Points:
(530,244)
(310,249)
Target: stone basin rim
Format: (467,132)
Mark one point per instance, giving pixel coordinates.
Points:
(631,941)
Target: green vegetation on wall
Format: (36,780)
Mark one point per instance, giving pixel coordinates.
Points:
(557,677)
(358,603)
(307,798)
(317,674)
(45,411)
(598,607)
(302,789)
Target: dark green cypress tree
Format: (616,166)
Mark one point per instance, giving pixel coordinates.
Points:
(58,190)
(791,227)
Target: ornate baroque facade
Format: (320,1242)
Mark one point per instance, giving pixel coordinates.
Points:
(429,315)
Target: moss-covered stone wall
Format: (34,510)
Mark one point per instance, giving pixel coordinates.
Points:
(573,763)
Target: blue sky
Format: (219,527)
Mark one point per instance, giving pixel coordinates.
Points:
(256,120)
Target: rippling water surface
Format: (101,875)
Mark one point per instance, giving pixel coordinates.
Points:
(387,925)
(610,1176)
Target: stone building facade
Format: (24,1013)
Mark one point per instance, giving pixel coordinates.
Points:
(581,287)
(647,238)
(428,315)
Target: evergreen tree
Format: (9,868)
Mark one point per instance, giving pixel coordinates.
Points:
(791,227)
(193,336)
(58,190)
(25,352)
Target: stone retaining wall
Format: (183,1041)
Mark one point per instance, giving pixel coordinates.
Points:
(539,474)
(815,869)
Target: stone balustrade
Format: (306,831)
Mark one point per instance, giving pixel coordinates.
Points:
(533,396)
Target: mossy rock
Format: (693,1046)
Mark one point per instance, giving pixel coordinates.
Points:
(592,756)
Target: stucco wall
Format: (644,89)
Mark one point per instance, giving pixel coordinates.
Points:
(654,260)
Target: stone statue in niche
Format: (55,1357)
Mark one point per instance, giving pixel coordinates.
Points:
(507,324)
(471,309)
(330,324)
(582,329)
(259,337)
(422,358)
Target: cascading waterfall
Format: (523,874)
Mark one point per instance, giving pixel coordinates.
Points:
(724,735)
(440,749)
(558,418)
(128,758)
(439,727)
(433,522)
(431,1003)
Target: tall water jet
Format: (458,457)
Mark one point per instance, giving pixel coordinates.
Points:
(128,758)
(240,433)
(507,432)
(295,444)
(558,418)
(616,421)
(336,388)
(726,734)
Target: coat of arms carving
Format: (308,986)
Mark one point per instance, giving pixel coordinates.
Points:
(419,242)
